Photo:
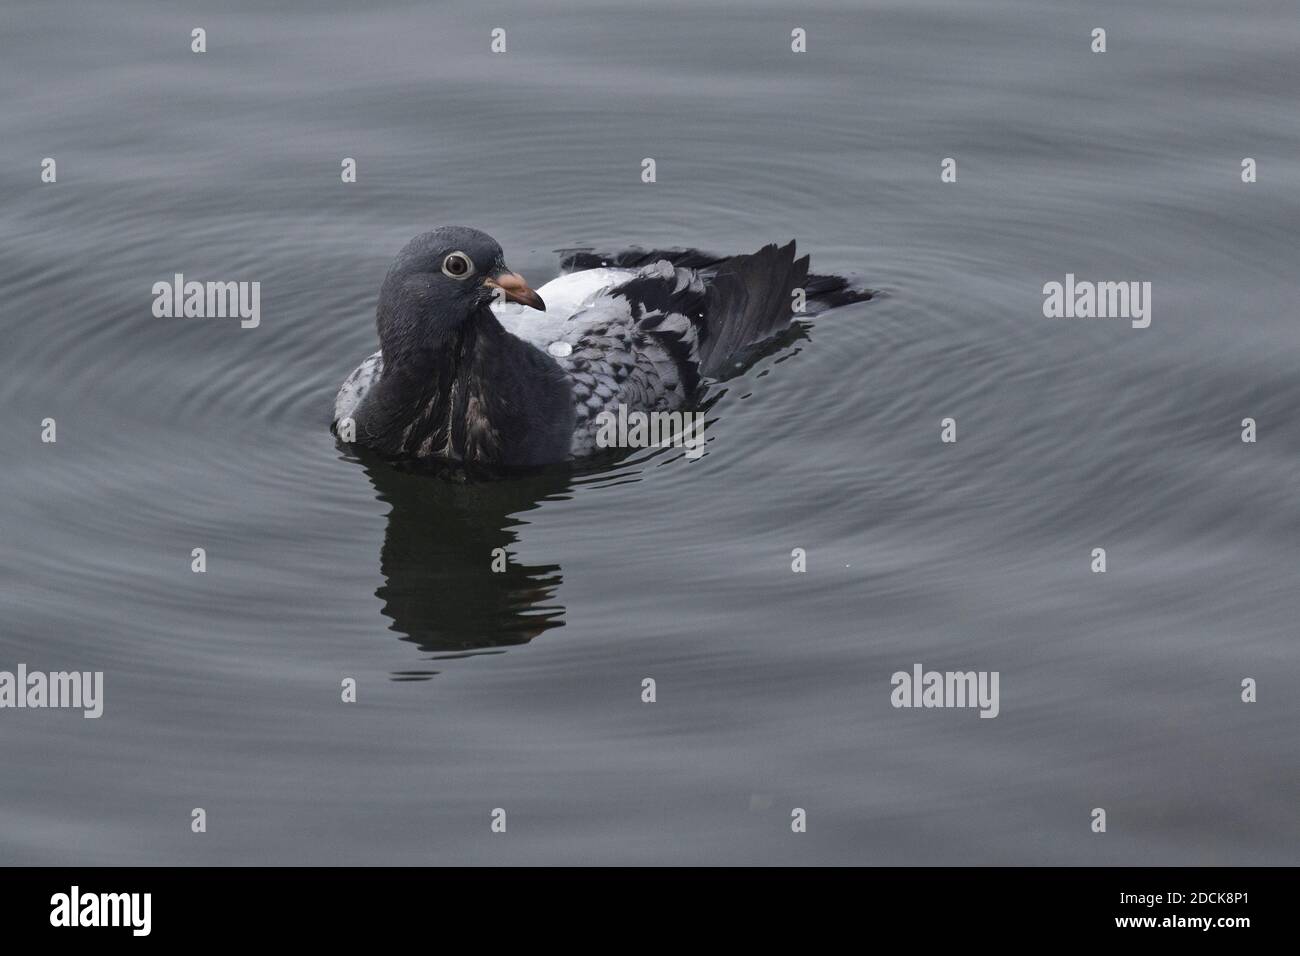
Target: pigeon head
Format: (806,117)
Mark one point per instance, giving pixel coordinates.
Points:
(442,278)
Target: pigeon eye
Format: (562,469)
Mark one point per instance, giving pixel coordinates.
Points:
(457,265)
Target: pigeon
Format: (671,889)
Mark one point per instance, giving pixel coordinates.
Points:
(476,367)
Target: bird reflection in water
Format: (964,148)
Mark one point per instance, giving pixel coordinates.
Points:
(445,525)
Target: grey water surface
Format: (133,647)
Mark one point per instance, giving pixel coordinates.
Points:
(522,690)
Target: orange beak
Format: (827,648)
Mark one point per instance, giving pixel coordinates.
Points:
(514,288)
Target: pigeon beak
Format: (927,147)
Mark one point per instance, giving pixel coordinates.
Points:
(514,288)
